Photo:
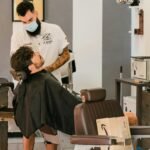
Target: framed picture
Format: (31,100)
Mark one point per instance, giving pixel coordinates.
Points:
(38,5)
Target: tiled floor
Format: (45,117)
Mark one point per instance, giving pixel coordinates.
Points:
(16,144)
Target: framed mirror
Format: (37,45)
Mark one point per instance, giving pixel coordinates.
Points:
(38,4)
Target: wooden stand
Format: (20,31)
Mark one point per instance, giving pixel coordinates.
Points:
(3,135)
(139,85)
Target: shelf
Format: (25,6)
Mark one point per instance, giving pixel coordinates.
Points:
(134,7)
(130,32)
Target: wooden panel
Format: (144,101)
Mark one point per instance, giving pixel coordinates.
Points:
(145,142)
(3,135)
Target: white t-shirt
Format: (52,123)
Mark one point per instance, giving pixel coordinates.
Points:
(50,43)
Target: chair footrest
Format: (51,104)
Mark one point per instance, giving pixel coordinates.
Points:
(92,140)
(14,134)
(140,130)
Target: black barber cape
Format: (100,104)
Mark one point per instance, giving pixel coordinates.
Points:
(42,100)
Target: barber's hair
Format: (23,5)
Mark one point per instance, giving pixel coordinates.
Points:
(23,7)
(21,59)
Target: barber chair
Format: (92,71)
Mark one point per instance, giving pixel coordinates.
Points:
(94,107)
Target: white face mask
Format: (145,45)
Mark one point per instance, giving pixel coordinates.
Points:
(31,27)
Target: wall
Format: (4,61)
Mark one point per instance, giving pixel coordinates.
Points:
(101,46)
(5,35)
(116,44)
(87,43)
(60,12)
(140,43)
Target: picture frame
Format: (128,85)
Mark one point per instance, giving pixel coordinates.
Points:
(38,5)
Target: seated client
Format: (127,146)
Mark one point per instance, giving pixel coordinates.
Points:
(40,100)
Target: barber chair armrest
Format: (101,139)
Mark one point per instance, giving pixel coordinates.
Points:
(93,140)
(140,130)
(8,84)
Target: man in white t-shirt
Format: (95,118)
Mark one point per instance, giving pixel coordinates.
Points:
(48,39)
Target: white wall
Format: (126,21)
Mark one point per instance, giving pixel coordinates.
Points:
(5,36)
(87,43)
(141,43)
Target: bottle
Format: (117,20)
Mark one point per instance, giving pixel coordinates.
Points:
(121,71)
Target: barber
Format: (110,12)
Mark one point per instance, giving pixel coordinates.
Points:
(48,39)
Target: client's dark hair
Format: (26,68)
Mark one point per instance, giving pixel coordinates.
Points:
(21,59)
(23,7)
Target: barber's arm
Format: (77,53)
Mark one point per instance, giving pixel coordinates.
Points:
(61,60)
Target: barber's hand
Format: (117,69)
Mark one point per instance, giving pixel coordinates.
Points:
(40,69)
